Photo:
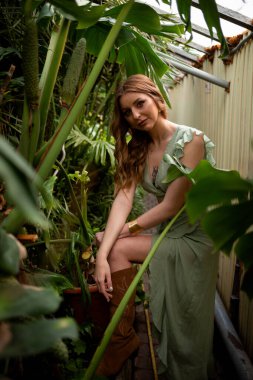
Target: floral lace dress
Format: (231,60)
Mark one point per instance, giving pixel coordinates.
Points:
(183,274)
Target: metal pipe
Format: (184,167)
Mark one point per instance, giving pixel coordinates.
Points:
(233,344)
(195,72)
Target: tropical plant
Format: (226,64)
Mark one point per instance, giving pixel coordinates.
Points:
(26,327)
(225,214)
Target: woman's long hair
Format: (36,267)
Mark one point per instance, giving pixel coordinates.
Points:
(131,157)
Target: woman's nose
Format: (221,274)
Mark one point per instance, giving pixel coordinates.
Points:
(136,113)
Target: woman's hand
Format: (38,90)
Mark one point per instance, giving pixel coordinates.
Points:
(103,277)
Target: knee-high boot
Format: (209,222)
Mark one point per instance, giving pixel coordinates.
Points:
(124,340)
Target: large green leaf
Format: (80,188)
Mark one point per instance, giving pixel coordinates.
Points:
(95,37)
(210,13)
(9,254)
(97,34)
(87,15)
(222,200)
(21,193)
(176,169)
(20,301)
(20,180)
(226,224)
(160,84)
(45,278)
(133,59)
(33,337)
(134,51)
(244,249)
(184,9)
(124,37)
(152,58)
(8,153)
(214,187)
(141,15)
(169,30)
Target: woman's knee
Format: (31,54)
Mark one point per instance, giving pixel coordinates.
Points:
(118,252)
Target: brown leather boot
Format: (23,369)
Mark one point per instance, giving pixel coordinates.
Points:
(124,340)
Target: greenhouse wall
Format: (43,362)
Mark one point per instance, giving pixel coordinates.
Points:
(227,118)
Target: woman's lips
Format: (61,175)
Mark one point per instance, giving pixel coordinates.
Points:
(140,124)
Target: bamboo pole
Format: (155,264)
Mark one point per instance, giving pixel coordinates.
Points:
(150,338)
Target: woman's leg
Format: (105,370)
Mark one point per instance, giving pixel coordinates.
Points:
(129,250)
(124,340)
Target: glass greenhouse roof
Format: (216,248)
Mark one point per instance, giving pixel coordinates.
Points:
(185,52)
(243,8)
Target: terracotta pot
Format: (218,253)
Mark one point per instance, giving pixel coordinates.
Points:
(97,312)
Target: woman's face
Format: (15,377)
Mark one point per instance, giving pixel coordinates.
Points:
(139,110)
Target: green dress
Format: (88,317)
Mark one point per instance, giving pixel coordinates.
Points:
(183,274)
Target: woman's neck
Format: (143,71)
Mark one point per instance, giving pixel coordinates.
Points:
(162,132)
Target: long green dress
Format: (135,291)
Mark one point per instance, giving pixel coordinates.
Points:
(183,276)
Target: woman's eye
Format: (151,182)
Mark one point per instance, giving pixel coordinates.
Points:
(140,103)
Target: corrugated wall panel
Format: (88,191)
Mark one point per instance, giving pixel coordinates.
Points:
(227,118)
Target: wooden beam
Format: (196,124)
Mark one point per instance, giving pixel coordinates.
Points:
(204,32)
(191,44)
(182,53)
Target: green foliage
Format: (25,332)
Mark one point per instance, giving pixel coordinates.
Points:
(98,151)
(25,330)
(223,201)
(18,301)
(80,351)
(47,279)
(38,335)
(19,180)
(9,255)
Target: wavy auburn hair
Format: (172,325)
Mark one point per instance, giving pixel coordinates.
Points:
(131,157)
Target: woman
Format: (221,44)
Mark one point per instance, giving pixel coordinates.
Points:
(183,270)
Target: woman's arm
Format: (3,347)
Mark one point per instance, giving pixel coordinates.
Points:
(120,210)
(174,198)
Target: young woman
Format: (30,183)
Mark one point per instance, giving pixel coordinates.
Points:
(183,270)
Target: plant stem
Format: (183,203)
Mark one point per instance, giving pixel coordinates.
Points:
(120,310)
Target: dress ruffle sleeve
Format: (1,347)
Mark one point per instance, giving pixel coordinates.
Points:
(185,136)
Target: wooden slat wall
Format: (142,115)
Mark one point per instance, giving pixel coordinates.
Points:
(227,118)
